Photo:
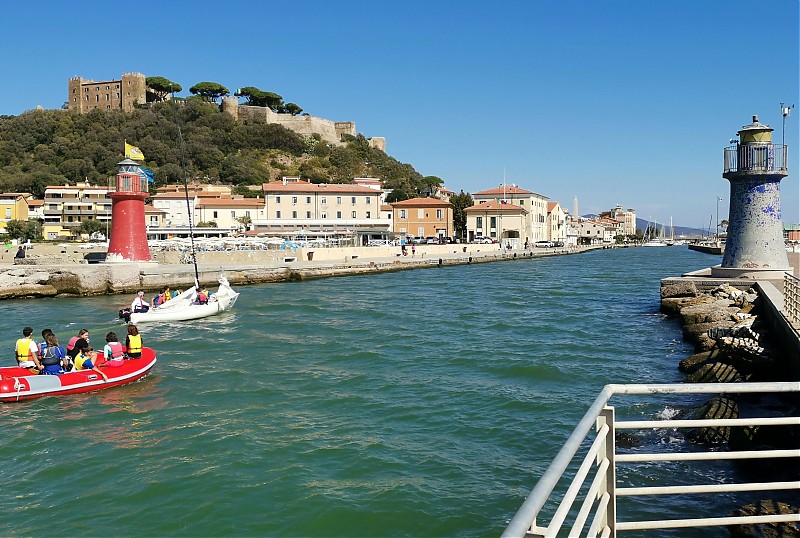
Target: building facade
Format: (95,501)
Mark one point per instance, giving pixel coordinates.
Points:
(626,216)
(500,222)
(13,206)
(556,223)
(67,206)
(535,206)
(85,94)
(423,217)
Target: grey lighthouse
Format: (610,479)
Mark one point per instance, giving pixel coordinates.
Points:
(755,167)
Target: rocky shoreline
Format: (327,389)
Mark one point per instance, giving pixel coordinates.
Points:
(732,344)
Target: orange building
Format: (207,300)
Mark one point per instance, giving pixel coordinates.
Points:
(423,217)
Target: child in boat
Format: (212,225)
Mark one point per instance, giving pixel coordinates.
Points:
(53,356)
(112,351)
(85,361)
(133,342)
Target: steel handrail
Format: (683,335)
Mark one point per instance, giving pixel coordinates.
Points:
(525,518)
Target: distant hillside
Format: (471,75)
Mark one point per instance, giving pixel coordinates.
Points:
(53,147)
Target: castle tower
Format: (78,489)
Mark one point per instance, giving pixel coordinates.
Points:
(128,242)
(755,167)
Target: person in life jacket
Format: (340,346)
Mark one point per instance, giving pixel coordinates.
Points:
(27,352)
(43,343)
(53,358)
(202,297)
(113,352)
(139,304)
(77,344)
(133,342)
(166,295)
(85,361)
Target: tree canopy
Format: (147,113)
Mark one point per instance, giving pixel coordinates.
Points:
(53,147)
(161,87)
(209,91)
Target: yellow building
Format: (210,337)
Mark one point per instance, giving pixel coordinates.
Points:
(66,206)
(13,206)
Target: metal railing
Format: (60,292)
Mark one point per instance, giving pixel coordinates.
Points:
(791,298)
(756,158)
(599,500)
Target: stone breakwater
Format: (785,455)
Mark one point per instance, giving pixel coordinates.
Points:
(53,279)
(734,344)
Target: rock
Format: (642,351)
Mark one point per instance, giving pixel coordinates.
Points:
(716,408)
(716,372)
(718,310)
(698,333)
(679,289)
(691,364)
(765,530)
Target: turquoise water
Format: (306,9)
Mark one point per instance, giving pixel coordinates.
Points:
(417,403)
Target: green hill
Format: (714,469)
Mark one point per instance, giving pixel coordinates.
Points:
(54,147)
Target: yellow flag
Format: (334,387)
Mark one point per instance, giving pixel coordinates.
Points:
(132,152)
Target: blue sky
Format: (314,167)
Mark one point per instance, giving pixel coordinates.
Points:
(616,101)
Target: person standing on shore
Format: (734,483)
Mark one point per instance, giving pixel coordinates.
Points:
(27,352)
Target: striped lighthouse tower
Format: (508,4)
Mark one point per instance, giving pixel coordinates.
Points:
(128,242)
(755,167)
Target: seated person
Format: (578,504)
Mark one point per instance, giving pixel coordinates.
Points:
(133,342)
(112,351)
(53,356)
(202,297)
(85,361)
(139,304)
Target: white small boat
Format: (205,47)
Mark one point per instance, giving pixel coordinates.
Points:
(186,307)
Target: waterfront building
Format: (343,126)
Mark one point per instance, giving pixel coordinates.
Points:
(755,167)
(556,223)
(500,222)
(423,217)
(596,231)
(626,216)
(123,94)
(535,206)
(292,205)
(67,206)
(13,206)
(235,212)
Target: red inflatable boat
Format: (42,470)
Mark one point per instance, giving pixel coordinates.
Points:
(17,384)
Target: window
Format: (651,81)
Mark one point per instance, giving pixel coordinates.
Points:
(492,222)
(294,199)
(338,199)
(8,212)
(353,200)
(369,200)
(324,215)
(277,199)
(420,213)
(522,202)
(368,215)
(308,214)
(294,214)
(439,214)
(403,214)
(246,213)
(277,214)
(354,214)
(233,214)
(479,223)
(308,199)
(338,214)
(215,214)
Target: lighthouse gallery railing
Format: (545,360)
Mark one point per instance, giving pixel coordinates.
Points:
(756,158)
(599,499)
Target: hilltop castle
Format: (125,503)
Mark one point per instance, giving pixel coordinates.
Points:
(85,95)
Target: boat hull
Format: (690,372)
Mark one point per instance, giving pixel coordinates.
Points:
(18,384)
(184,307)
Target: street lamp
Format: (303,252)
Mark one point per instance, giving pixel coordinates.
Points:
(719,199)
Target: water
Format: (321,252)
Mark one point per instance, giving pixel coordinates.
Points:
(417,403)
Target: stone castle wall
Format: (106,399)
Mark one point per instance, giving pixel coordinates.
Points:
(84,95)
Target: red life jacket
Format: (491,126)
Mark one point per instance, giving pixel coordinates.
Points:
(116,350)
(71,343)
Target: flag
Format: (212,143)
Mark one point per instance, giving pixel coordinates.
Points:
(132,152)
(144,173)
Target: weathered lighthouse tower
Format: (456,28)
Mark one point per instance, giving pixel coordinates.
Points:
(755,167)
(128,242)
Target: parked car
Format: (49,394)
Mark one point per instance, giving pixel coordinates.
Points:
(544,244)
(432,240)
(485,240)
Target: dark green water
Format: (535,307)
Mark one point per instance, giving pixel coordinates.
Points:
(419,403)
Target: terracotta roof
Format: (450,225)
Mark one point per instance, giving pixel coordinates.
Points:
(304,186)
(232,202)
(493,205)
(509,189)
(35,202)
(150,209)
(422,202)
(551,206)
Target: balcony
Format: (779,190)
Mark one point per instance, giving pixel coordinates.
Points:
(762,158)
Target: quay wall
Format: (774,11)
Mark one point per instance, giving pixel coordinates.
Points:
(52,279)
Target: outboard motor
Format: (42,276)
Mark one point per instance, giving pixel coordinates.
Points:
(125,314)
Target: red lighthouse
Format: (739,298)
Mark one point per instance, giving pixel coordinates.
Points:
(128,242)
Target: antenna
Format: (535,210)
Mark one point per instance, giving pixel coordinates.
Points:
(785,111)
